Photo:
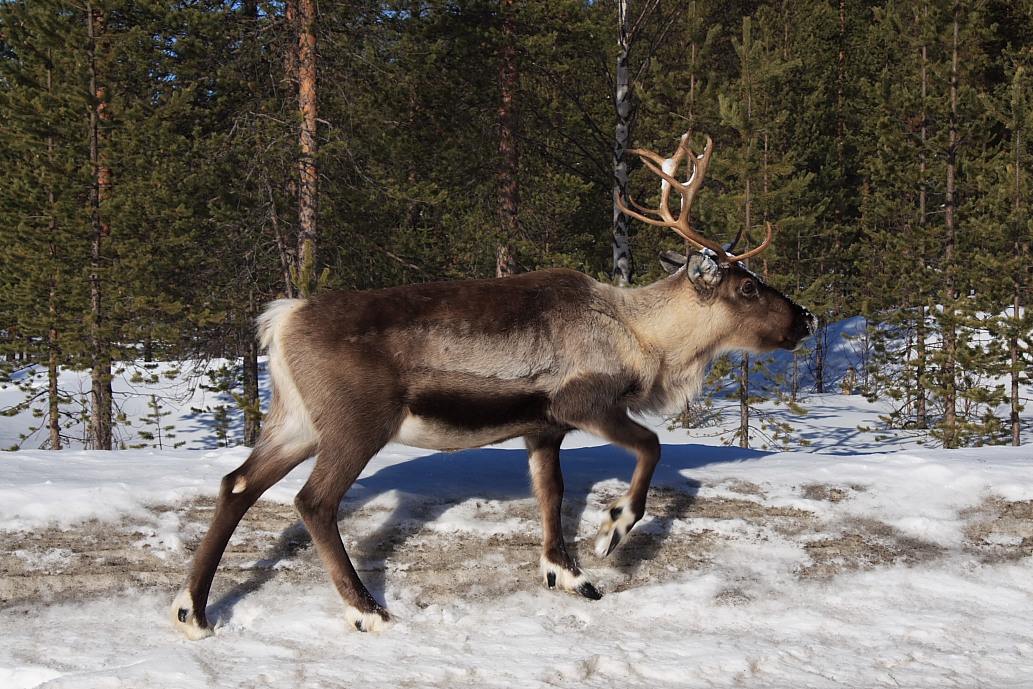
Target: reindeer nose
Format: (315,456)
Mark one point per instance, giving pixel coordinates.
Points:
(807,325)
(812,322)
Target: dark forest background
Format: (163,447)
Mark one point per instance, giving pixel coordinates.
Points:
(168,167)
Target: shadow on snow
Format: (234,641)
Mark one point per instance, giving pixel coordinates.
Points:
(429,485)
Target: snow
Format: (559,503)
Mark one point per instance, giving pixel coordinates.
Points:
(742,575)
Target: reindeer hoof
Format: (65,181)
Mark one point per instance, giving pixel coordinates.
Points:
(606,543)
(557,577)
(616,524)
(376,621)
(185,619)
(588,590)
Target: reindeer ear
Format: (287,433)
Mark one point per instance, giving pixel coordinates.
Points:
(703,271)
(672,261)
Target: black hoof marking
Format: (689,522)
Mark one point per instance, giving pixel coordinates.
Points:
(183,614)
(550,579)
(360,626)
(589,591)
(614,542)
(615,513)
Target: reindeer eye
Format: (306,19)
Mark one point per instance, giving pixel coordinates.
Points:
(748,288)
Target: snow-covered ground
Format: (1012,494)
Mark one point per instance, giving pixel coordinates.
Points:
(860,562)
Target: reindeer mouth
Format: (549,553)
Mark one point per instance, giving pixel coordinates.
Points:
(812,323)
(809,327)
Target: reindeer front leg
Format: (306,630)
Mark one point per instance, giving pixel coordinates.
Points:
(577,404)
(559,569)
(625,512)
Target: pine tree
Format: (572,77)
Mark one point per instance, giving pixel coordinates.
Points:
(45,244)
(247,144)
(112,261)
(509,151)
(822,105)
(308,178)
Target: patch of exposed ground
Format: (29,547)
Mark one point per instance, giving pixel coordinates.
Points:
(829,493)
(97,558)
(1001,531)
(412,551)
(864,544)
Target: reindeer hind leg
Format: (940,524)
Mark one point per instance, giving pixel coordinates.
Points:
(341,459)
(239,490)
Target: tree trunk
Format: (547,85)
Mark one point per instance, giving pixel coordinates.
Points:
(283,250)
(54,351)
(921,411)
(744,369)
(819,357)
(1016,373)
(921,358)
(509,153)
(744,401)
(249,374)
(100,358)
(1017,280)
(622,265)
(308,182)
(53,391)
(950,336)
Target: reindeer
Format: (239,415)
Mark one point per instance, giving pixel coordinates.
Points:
(456,365)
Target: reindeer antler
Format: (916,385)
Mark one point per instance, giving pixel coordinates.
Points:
(666,168)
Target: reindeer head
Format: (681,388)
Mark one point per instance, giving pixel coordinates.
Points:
(718,277)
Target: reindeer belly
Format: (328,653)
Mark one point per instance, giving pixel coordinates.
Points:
(462,419)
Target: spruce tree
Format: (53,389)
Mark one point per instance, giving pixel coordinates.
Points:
(924,215)
(896,213)
(755,165)
(1005,214)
